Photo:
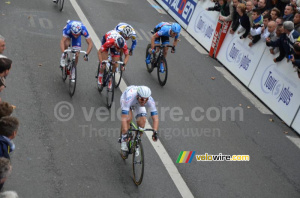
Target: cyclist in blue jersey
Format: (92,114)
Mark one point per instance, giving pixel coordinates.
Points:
(73,31)
(163,31)
(127,32)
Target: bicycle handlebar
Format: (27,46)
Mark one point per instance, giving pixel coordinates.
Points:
(161,46)
(74,51)
(141,130)
(113,62)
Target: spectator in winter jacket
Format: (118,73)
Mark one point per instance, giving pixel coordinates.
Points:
(244,20)
(220,6)
(8,131)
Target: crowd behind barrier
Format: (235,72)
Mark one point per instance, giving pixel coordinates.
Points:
(261,48)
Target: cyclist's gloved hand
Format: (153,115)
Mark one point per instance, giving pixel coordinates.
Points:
(63,55)
(154,136)
(123,67)
(86,57)
(173,49)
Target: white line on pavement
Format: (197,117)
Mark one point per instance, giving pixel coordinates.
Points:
(159,148)
(244,91)
(295,140)
(156,7)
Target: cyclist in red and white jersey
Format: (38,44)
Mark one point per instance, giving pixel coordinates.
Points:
(116,43)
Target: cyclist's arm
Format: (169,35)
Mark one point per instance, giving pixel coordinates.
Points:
(175,42)
(124,126)
(90,45)
(62,44)
(155,122)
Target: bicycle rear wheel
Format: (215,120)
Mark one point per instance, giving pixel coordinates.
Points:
(118,74)
(72,79)
(162,70)
(110,90)
(138,163)
(149,66)
(61,4)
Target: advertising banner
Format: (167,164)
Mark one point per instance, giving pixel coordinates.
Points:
(277,85)
(239,58)
(181,10)
(203,23)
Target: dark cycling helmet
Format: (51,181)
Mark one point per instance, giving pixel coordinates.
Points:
(120,42)
(175,27)
(76,27)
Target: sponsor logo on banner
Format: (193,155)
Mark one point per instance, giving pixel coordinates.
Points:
(273,82)
(203,26)
(182,8)
(238,53)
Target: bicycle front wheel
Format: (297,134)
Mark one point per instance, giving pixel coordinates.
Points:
(72,80)
(138,163)
(149,66)
(162,70)
(61,4)
(110,90)
(118,74)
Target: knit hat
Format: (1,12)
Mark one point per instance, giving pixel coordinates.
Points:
(288,25)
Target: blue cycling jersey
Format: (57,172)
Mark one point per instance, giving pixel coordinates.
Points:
(164,29)
(76,42)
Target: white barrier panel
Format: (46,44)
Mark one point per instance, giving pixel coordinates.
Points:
(203,24)
(163,4)
(239,58)
(277,85)
(181,10)
(296,123)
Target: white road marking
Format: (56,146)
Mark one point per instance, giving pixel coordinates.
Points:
(117,1)
(145,35)
(138,35)
(295,140)
(159,148)
(157,7)
(244,91)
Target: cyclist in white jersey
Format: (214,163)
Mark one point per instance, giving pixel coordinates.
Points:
(137,98)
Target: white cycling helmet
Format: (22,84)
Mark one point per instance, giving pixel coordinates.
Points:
(144,92)
(76,27)
(127,32)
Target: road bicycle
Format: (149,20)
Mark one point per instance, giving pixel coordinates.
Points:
(71,68)
(108,80)
(135,147)
(60,4)
(158,61)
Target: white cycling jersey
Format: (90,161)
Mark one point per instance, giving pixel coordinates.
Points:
(129,100)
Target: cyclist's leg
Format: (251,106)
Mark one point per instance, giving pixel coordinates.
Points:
(165,41)
(141,116)
(115,58)
(76,44)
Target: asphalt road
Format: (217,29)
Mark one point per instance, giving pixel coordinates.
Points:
(80,157)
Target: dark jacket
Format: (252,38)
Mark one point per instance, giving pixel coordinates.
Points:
(245,23)
(224,10)
(5,147)
(235,20)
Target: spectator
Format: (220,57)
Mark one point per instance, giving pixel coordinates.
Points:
(279,21)
(281,5)
(288,13)
(275,13)
(296,57)
(235,17)
(8,131)
(244,20)
(291,34)
(255,30)
(220,6)
(9,194)
(5,109)
(5,170)
(255,4)
(2,44)
(266,20)
(262,6)
(249,8)
(5,66)
(270,31)
(296,21)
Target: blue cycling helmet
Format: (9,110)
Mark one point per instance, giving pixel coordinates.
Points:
(175,27)
(120,42)
(76,27)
